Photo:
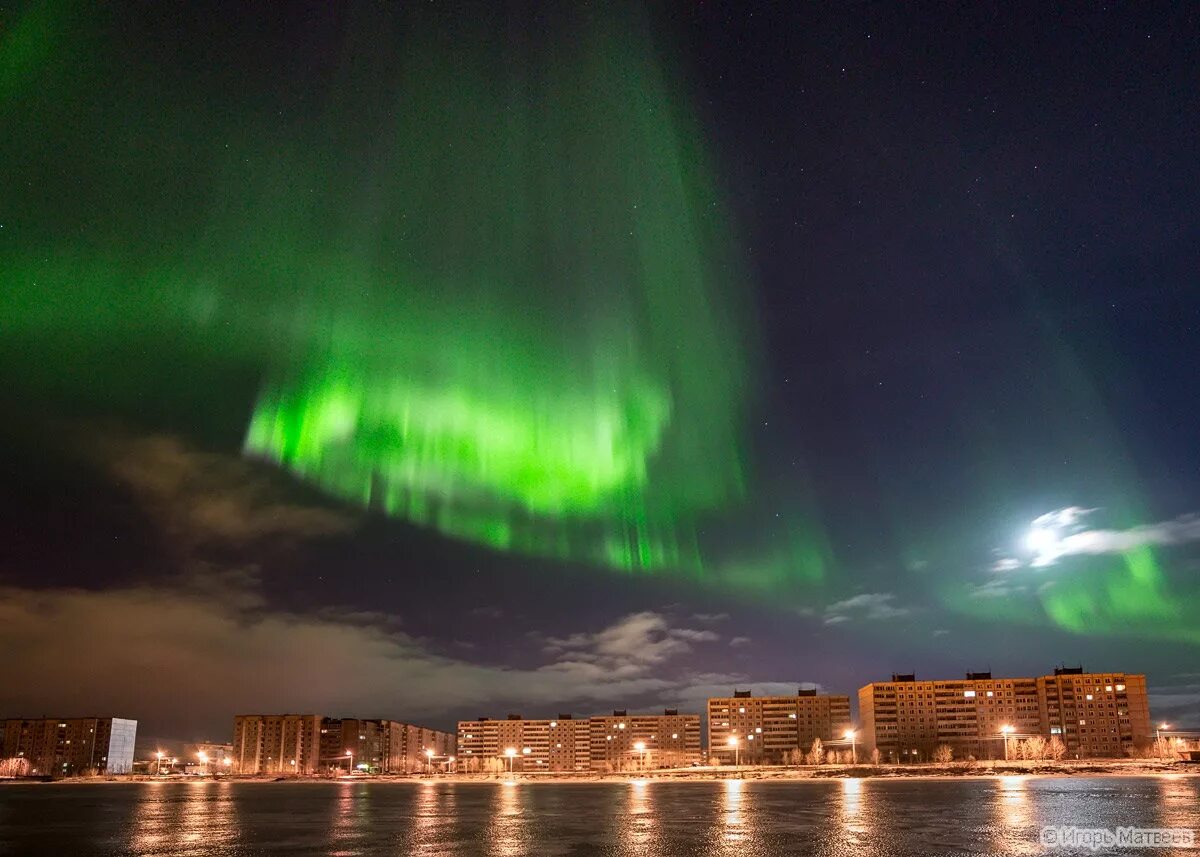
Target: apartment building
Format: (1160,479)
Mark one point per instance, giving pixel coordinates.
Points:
(619,741)
(1095,714)
(520,744)
(622,742)
(907,719)
(277,744)
(770,729)
(312,743)
(71,746)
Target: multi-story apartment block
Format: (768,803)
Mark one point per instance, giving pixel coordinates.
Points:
(310,744)
(621,742)
(71,746)
(604,743)
(906,719)
(277,744)
(383,746)
(771,729)
(1095,714)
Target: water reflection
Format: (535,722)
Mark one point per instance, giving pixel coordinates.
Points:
(1179,802)
(639,824)
(508,833)
(198,817)
(1014,826)
(349,811)
(850,815)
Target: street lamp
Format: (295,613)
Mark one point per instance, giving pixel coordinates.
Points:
(733,742)
(640,747)
(511,753)
(350,763)
(1006,730)
(203,757)
(158,757)
(852,736)
(429,761)
(1158,736)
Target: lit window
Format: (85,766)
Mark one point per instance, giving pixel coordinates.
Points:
(1108,688)
(1120,687)
(968,693)
(1089,696)
(989,693)
(674,734)
(553,723)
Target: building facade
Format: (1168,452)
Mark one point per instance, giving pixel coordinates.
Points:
(980,716)
(71,746)
(604,743)
(624,742)
(306,744)
(1095,714)
(277,744)
(773,729)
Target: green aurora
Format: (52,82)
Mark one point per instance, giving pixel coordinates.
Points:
(487,285)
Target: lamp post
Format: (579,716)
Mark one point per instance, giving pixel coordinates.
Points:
(510,753)
(852,736)
(203,757)
(350,762)
(640,748)
(1158,737)
(429,761)
(733,742)
(1006,730)
(158,757)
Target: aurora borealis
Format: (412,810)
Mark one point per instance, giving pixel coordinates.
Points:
(568,313)
(549,341)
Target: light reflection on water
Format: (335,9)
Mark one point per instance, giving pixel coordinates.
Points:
(831,818)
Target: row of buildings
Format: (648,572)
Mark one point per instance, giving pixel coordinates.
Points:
(905,720)
(615,742)
(1092,714)
(312,743)
(67,747)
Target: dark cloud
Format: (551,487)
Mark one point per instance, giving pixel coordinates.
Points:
(205,499)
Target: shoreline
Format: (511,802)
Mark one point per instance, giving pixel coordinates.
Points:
(952,771)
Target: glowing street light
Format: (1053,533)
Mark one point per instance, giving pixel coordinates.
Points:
(350,763)
(158,757)
(733,742)
(511,753)
(1006,730)
(1158,736)
(852,736)
(640,747)
(203,757)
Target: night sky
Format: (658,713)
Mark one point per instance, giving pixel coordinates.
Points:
(435,361)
